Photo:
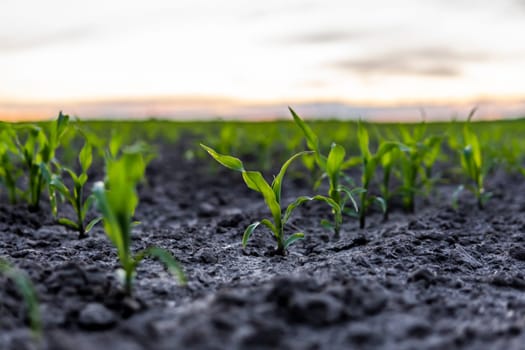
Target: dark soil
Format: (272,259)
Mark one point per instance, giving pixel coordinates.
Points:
(437,279)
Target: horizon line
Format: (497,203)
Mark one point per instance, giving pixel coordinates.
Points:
(227,108)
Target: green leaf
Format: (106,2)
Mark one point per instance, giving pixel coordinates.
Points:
(228,161)
(469,163)
(278,181)
(68,223)
(312,141)
(57,184)
(270,225)
(46,153)
(169,261)
(362,137)
(82,179)
(112,225)
(387,147)
(476,151)
(86,156)
(256,182)
(92,223)
(351,162)
(335,161)
(248,233)
(46,173)
(293,238)
(319,181)
(350,194)
(300,200)
(61,125)
(72,175)
(455,197)
(311,138)
(87,204)
(382,203)
(333,204)
(115,143)
(292,206)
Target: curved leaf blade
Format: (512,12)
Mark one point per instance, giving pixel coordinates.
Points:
(86,156)
(166,258)
(270,225)
(382,203)
(335,161)
(256,181)
(293,238)
(248,233)
(311,138)
(292,206)
(278,181)
(92,223)
(226,160)
(68,223)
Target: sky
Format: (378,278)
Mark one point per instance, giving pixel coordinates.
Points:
(235,58)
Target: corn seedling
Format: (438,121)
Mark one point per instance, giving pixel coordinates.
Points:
(75,196)
(388,160)
(332,167)
(116,200)
(369,163)
(272,196)
(9,171)
(37,151)
(419,154)
(26,289)
(473,165)
(433,149)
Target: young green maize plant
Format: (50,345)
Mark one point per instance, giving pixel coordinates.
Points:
(37,152)
(419,154)
(432,145)
(26,289)
(332,167)
(9,171)
(369,163)
(272,196)
(473,165)
(116,200)
(388,160)
(75,196)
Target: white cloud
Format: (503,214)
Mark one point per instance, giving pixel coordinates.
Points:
(265,51)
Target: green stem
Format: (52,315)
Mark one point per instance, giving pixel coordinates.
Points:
(362,213)
(479,196)
(78,207)
(336,196)
(409,198)
(128,281)
(280,241)
(386,192)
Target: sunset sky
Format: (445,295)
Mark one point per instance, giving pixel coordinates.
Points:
(244,58)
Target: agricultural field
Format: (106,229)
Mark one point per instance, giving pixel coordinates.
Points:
(294,234)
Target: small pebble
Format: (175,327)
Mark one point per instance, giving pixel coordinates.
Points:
(95,316)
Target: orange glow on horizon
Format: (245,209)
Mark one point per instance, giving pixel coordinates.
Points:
(202,107)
